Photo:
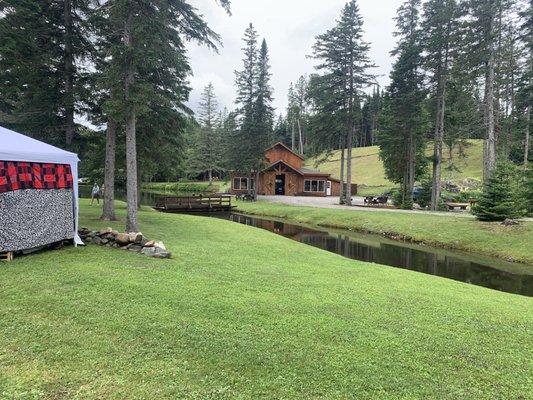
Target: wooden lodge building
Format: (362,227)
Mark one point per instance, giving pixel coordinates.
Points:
(285,175)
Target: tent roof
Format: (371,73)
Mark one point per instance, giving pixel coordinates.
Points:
(17,147)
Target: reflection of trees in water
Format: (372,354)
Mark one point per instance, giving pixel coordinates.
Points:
(400,256)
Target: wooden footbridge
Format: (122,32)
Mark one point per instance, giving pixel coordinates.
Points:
(198,203)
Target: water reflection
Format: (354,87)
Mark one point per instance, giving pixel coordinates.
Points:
(489,273)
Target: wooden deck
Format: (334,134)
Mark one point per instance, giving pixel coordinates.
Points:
(200,203)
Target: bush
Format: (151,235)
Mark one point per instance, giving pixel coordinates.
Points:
(502,196)
(529,191)
(424,198)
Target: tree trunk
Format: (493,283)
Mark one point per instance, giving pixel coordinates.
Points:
(526,141)
(409,173)
(256,186)
(343,186)
(489,160)
(293,137)
(300,138)
(69,74)
(349,141)
(131,147)
(210,177)
(108,211)
(437,147)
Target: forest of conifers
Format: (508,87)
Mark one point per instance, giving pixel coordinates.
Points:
(110,80)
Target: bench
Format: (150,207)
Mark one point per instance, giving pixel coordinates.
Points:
(453,206)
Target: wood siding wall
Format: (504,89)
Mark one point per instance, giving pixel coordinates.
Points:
(281,153)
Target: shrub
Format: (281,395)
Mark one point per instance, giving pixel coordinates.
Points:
(502,195)
(529,191)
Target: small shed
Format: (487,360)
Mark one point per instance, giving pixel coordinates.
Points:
(38,193)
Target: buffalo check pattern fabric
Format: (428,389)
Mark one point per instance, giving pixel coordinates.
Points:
(18,175)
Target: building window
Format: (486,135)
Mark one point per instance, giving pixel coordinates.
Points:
(242,183)
(311,185)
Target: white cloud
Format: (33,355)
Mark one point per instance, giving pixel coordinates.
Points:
(289,27)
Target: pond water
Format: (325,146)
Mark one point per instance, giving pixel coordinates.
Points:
(481,271)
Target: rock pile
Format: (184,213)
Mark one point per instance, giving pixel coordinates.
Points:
(133,241)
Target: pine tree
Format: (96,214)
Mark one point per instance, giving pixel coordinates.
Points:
(43,66)
(263,111)
(483,28)
(255,112)
(206,153)
(402,142)
(344,61)
(502,195)
(148,71)
(439,27)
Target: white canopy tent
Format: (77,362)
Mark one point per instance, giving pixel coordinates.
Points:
(17,147)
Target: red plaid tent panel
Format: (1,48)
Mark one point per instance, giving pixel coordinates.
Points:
(16,175)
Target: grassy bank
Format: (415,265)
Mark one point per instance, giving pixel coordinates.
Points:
(460,233)
(369,174)
(187,187)
(244,313)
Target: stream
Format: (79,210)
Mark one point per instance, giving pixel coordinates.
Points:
(460,266)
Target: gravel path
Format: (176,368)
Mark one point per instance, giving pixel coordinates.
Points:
(333,202)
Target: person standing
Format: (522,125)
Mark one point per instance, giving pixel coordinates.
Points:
(95,193)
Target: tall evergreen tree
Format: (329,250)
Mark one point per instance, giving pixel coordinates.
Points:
(483,30)
(254,98)
(402,141)
(148,72)
(439,38)
(43,55)
(206,153)
(344,64)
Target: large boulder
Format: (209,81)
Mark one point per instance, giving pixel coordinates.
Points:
(135,237)
(160,245)
(122,239)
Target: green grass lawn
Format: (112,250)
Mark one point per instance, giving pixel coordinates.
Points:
(447,231)
(243,313)
(188,187)
(369,174)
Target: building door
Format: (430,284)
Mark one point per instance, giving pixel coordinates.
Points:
(328,188)
(280,185)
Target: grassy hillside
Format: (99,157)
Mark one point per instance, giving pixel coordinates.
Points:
(370,176)
(241,313)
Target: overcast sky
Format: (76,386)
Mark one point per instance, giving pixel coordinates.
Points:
(289,27)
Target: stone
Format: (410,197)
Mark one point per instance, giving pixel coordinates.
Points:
(135,247)
(105,230)
(148,251)
(160,245)
(135,237)
(161,253)
(122,238)
(150,243)
(104,241)
(114,232)
(510,222)
(96,240)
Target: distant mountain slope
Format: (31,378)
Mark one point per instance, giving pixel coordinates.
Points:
(368,169)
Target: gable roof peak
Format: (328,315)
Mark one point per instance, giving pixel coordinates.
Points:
(286,148)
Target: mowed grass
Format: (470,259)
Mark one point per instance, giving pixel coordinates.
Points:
(369,174)
(445,231)
(240,313)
